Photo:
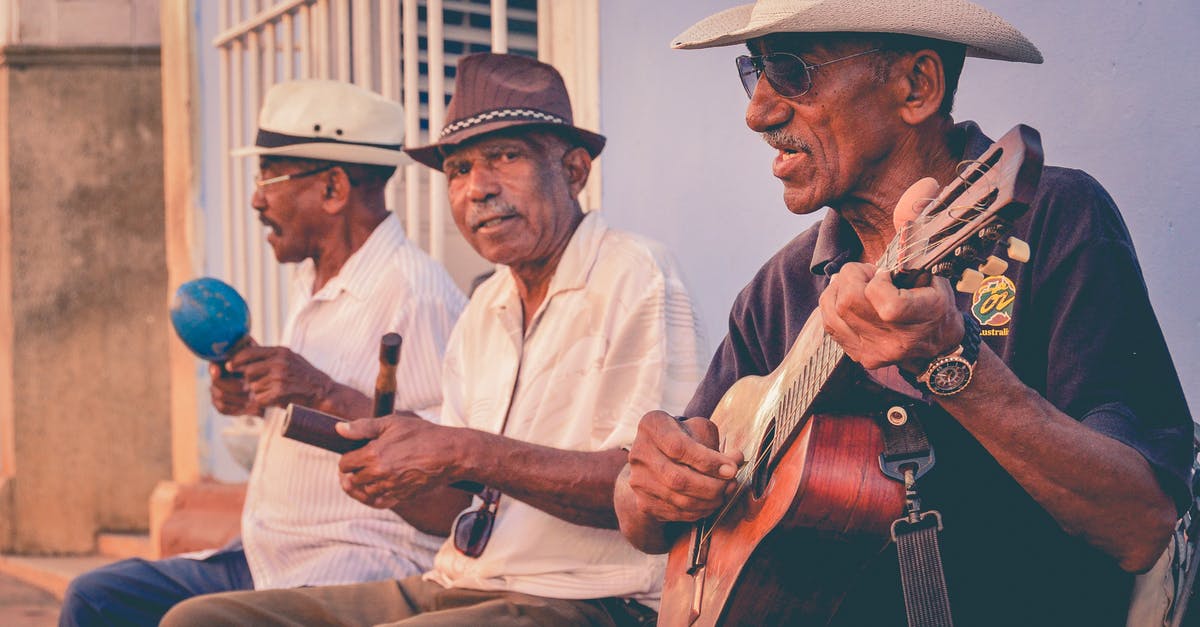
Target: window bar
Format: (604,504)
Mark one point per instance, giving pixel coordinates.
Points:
(389,76)
(412,123)
(306,64)
(321,40)
(544,42)
(283,273)
(341,24)
(288,23)
(236,120)
(270,46)
(389,50)
(226,210)
(255,288)
(437,115)
(364,68)
(271,277)
(499,25)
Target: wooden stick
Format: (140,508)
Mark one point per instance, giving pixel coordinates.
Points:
(385,383)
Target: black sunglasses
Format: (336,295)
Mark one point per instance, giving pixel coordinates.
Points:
(473,529)
(789,75)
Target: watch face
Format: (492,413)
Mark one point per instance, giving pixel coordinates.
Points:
(949,375)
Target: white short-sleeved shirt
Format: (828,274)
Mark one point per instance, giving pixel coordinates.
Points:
(298,527)
(616,336)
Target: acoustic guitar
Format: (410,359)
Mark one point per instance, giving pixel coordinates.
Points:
(812,504)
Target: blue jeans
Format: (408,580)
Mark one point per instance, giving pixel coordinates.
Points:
(139,592)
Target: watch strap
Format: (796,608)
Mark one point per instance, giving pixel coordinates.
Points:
(971,338)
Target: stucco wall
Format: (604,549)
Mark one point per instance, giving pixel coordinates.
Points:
(87,289)
(79,22)
(1117,97)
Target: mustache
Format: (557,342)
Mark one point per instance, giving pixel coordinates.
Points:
(489,209)
(780,137)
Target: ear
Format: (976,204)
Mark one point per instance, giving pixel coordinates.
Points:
(336,194)
(577,166)
(924,82)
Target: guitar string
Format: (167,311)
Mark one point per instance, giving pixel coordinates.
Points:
(786,408)
(833,354)
(925,243)
(988,173)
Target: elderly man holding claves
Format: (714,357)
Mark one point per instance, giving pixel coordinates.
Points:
(547,373)
(1060,461)
(326,150)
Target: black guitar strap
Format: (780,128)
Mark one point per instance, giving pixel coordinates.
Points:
(907,456)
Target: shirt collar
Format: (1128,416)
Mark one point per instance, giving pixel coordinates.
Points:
(837,243)
(358,275)
(580,256)
(574,267)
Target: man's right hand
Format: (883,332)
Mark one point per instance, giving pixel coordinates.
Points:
(229,393)
(675,474)
(675,470)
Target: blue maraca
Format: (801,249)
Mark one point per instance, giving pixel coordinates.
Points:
(211,318)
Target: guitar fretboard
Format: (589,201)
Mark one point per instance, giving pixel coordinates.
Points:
(794,406)
(796,402)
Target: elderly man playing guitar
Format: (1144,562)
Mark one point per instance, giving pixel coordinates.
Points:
(1061,433)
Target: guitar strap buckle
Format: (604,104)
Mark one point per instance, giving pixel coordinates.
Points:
(894,467)
(904,443)
(916,521)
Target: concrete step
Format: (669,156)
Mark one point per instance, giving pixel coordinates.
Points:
(124,545)
(51,574)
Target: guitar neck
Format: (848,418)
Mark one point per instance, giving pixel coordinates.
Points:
(796,403)
(808,380)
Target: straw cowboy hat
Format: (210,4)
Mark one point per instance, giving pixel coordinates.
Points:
(985,34)
(498,91)
(331,121)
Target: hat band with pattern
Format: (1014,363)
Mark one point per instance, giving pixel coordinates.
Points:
(271,139)
(501,114)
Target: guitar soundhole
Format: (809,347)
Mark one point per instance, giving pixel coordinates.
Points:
(762,463)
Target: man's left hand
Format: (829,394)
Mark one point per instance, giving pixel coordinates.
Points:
(879,325)
(407,455)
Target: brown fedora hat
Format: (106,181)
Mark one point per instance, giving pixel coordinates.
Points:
(497,91)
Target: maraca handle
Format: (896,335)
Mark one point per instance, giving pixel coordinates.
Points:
(226,373)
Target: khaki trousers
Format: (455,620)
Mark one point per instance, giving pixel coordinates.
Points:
(409,602)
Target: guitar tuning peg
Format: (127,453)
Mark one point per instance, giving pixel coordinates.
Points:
(970,281)
(993,266)
(1018,250)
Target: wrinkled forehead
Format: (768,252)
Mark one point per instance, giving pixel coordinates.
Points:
(529,137)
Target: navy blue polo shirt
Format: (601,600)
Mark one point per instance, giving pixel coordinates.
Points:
(1075,324)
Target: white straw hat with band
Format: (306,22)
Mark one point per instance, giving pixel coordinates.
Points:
(330,121)
(984,33)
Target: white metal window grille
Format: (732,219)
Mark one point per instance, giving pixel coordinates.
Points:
(394,47)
